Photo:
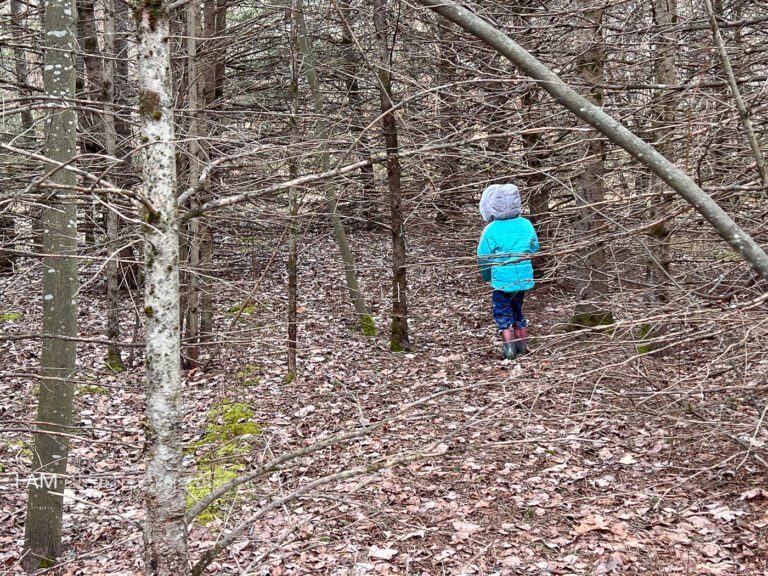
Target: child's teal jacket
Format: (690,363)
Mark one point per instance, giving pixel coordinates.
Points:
(504,254)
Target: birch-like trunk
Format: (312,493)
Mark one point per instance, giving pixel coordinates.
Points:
(350,270)
(399,336)
(42,534)
(165,533)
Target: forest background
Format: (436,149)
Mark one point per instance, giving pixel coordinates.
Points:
(240,313)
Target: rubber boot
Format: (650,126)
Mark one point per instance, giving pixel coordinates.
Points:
(508,349)
(521,335)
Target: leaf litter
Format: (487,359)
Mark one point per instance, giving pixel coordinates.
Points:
(545,471)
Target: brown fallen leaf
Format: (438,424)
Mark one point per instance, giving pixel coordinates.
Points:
(620,530)
(382,553)
(591,523)
(464,530)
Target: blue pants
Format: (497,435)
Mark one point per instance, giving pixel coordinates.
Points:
(508,309)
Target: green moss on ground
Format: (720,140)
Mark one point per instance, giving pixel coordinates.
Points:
(229,432)
(249,375)
(241,309)
(93,390)
(591,320)
(10,316)
(368,325)
(114,362)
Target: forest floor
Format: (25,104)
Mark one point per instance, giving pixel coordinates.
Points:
(581,458)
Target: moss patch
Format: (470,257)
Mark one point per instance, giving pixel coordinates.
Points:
(206,482)
(368,325)
(590,320)
(114,362)
(229,432)
(93,390)
(250,375)
(645,333)
(10,316)
(241,309)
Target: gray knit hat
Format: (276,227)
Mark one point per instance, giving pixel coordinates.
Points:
(500,202)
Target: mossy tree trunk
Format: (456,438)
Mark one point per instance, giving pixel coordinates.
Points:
(165,534)
(591,273)
(350,269)
(42,534)
(399,336)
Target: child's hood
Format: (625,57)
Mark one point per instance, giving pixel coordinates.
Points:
(500,202)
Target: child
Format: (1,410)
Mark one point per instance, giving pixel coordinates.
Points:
(502,257)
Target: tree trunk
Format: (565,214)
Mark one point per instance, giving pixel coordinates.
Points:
(591,276)
(350,271)
(535,155)
(130,270)
(448,203)
(27,123)
(114,356)
(90,87)
(663,107)
(42,534)
(293,207)
(399,338)
(7,239)
(196,156)
(165,533)
(728,230)
(350,54)
(22,72)
(213,53)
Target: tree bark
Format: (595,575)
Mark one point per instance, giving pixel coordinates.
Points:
(42,531)
(114,356)
(399,337)
(737,238)
(293,206)
(22,72)
(28,127)
(196,155)
(165,533)
(350,53)
(663,109)
(350,270)
(591,278)
(90,87)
